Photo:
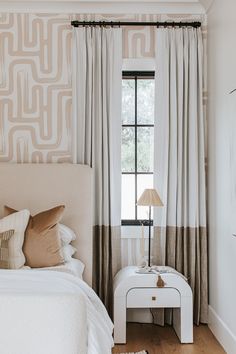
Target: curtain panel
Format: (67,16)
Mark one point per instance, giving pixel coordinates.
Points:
(97,80)
(180,235)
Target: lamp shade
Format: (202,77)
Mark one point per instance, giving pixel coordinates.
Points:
(150,197)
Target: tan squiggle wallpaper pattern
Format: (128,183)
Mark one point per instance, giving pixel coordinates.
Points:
(35,81)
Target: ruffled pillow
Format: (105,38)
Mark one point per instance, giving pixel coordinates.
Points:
(68,251)
(66,235)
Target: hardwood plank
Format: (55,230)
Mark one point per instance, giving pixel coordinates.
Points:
(163,340)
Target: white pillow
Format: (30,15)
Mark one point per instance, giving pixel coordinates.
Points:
(18,222)
(68,251)
(66,234)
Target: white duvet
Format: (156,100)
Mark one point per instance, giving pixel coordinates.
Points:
(96,322)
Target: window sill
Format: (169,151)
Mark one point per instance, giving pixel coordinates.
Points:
(136,222)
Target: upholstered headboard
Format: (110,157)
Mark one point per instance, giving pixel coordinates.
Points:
(42,186)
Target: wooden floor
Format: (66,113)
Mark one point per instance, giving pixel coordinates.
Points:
(159,340)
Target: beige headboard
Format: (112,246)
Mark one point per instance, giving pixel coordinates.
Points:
(43,186)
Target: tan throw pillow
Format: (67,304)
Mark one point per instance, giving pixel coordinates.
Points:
(4,248)
(42,245)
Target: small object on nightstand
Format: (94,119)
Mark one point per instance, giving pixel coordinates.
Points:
(160,282)
(145,269)
(142,263)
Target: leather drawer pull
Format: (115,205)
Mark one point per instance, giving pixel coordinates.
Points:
(160,282)
(154,298)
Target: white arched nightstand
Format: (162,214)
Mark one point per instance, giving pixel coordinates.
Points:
(134,290)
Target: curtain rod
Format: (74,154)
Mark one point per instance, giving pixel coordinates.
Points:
(120,23)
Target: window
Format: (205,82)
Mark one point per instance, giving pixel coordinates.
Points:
(137,142)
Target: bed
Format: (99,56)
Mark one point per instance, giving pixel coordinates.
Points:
(52,311)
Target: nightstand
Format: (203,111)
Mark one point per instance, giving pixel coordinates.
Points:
(134,290)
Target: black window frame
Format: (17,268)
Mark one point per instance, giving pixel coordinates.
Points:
(136,75)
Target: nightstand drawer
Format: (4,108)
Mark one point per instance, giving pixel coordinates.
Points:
(152,297)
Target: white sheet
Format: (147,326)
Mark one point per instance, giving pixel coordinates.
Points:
(97,321)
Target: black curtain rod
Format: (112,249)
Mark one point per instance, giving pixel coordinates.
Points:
(120,23)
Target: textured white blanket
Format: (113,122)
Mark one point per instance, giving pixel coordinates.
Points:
(96,321)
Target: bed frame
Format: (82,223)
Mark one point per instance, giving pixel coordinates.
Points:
(39,187)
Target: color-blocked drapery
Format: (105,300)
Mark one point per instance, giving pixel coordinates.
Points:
(97,79)
(180,236)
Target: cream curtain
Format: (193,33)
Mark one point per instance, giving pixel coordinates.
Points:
(180,237)
(97,78)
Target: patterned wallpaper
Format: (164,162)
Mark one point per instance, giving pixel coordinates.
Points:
(35,81)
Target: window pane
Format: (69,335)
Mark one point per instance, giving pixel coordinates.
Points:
(143,182)
(145,149)
(128,101)
(128,149)
(128,197)
(145,101)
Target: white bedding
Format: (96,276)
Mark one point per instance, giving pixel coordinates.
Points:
(97,322)
(74,267)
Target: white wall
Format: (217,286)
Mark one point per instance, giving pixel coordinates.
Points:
(222,171)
